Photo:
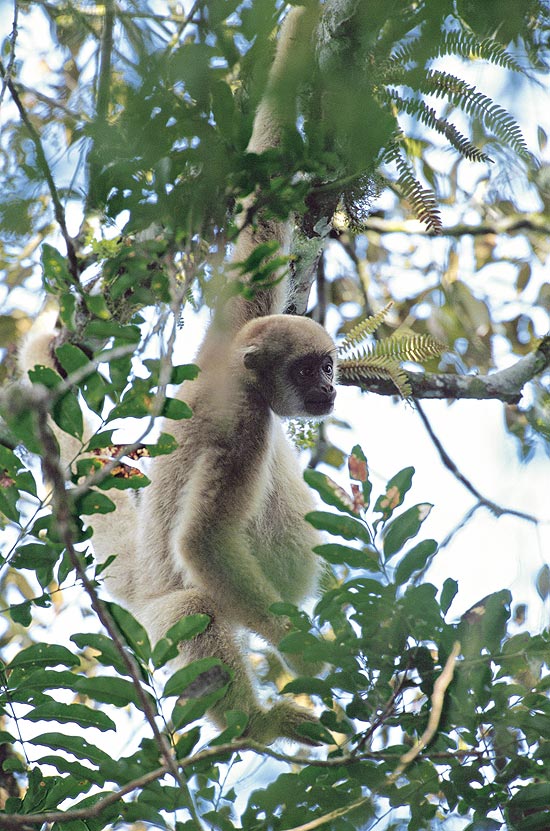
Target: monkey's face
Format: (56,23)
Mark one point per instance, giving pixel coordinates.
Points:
(312,378)
(290,362)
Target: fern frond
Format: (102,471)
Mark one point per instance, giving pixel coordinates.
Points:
(379,369)
(467,45)
(477,105)
(363,329)
(419,109)
(382,360)
(416,348)
(462,44)
(423,202)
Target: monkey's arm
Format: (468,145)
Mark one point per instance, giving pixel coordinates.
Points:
(211,540)
(276,114)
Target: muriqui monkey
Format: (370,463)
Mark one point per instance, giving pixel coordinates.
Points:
(221,528)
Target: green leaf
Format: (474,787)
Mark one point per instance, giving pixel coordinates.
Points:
(134,633)
(341,526)
(43,654)
(297,643)
(310,686)
(165,445)
(21,613)
(236,722)
(108,653)
(71,714)
(77,771)
(179,374)
(175,409)
(536,795)
(330,492)
(9,494)
(187,741)
(403,527)
(67,310)
(94,502)
(109,690)
(67,414)
(104,329)
(448,594)
(483,626)
(354,557)
(316,732)
(71,357)
(77,745)
(56,271)
(38,558)
(9,462)
(414,560)
(188,627)
(100,440)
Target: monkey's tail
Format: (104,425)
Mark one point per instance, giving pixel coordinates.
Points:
(114,533)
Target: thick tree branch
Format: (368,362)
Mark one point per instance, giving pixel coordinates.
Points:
(505,385)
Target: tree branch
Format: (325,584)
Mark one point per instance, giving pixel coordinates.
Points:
(11,61)
(529,222)
(26,822)
(497,510)
(45,168)
(504,385)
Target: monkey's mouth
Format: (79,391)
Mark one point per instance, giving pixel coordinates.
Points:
(320,406)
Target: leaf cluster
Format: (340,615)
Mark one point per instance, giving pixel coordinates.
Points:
(384,633)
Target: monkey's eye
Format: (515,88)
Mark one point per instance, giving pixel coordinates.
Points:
(305,372)
(328,369)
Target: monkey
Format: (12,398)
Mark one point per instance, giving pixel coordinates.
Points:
(220,530)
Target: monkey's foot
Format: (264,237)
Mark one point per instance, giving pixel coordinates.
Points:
(282,721)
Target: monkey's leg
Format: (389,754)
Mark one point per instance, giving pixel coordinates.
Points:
(220,640)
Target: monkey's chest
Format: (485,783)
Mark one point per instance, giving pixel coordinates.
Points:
(282,541)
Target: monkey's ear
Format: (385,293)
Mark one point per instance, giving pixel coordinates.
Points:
(251,356)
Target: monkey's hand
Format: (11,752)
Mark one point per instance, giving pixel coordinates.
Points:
(281,721)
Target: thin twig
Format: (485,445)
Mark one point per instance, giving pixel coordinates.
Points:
(11,61)
(437,699)
(102,102)
(45,168)
(497,510)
